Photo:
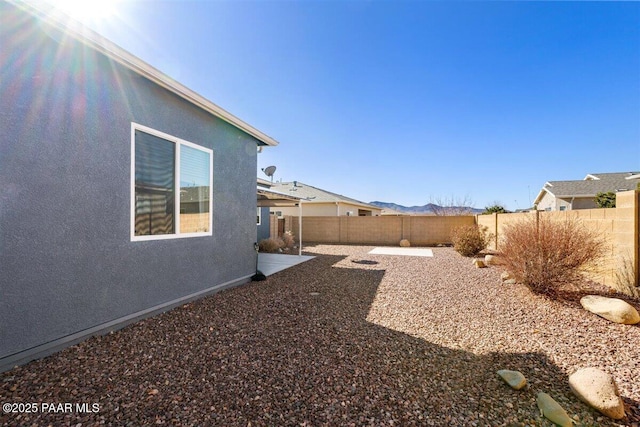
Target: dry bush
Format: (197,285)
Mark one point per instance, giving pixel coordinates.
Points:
(545,254)
(271,244)
(288,239)
(470,240)
(626,277)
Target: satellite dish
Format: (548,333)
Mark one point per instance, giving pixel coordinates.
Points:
(269,171)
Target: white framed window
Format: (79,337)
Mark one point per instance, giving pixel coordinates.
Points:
(171,186)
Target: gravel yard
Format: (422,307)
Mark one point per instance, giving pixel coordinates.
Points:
(347,338)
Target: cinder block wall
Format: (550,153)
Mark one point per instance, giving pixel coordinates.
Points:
(380,230)
(618,226)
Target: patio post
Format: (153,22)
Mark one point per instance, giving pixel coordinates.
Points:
(300,228)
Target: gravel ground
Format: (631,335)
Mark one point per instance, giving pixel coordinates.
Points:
(346,339)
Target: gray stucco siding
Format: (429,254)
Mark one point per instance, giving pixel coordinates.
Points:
(65,158)
(263,228)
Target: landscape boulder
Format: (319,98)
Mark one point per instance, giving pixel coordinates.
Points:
(613,309)
(404,243)
(597,389)
(515,379)
(490,259)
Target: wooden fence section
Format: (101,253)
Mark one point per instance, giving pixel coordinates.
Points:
(378,230)
(618,226)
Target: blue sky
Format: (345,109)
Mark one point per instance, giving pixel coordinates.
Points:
(410,102)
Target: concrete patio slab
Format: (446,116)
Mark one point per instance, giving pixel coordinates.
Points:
(402,251)
(270,264)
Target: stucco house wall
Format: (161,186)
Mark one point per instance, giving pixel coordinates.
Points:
(547,202)
(584,203)
(263,227)
(69,265)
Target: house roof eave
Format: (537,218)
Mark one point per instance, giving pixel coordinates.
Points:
(541,195)
(45,12)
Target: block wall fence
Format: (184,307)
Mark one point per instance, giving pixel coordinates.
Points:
(378,230)
(619,227)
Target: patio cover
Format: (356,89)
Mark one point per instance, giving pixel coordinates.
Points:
(271,198)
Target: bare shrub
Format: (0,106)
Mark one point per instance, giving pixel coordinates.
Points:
(271,244)
(470,240)
(545,254)
(451,206)
(288,240)
(626,277)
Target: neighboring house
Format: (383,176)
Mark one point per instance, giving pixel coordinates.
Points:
(267,198)
(317,202)
(123,193)
(570,195)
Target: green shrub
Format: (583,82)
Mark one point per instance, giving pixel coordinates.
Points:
(494,209)
(545,254)
(470,240)
(272,244)
(606,200)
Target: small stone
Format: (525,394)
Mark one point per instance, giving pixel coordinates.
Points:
(509,282)
(552,410)
(404,243)
(515,379)
(479,263)
(613,309)
(597,389)
(505,276)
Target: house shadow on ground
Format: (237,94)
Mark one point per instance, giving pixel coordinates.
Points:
(293,350)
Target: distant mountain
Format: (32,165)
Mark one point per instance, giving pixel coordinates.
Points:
(428,209)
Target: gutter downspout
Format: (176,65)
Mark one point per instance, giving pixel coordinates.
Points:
(337,208)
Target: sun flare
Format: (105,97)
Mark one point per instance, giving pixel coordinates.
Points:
(86,10)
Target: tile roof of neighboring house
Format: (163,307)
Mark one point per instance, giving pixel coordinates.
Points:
(317,195)
(591,185)
(47,13)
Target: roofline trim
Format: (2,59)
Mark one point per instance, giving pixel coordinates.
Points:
(94,40)
(342,199)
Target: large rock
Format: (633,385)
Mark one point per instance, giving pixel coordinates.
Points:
(490,259)
(597,389)
(552,410)
(514,378)
(613,309)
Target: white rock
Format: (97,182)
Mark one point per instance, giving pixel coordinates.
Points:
(514,378)
(597,389)
(506,276)
(489,259)
(613,309)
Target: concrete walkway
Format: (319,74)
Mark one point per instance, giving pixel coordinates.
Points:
(402,251)
(270,264)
